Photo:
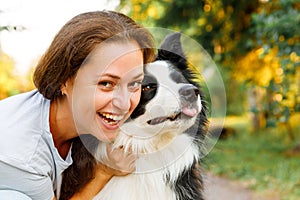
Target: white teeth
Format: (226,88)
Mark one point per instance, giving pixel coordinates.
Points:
(113,117)
(111,123)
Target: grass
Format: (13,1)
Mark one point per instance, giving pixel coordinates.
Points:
(258,160)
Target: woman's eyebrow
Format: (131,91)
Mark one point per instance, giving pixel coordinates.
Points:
(118,77)
(111,76)
(138,76)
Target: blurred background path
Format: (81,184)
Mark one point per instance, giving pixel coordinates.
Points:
(217,188)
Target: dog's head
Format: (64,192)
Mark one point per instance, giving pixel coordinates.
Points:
(171,101)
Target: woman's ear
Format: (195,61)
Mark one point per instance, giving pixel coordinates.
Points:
(65,87)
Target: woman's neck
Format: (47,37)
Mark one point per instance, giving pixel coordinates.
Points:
(61,126)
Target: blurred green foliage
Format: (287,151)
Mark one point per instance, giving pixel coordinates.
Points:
(8,81)
(255,43)
(277,26)
(11,81)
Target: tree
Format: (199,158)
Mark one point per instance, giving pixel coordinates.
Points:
(276,28)
(221,27)
(256,42)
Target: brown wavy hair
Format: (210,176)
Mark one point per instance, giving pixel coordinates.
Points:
(77,39)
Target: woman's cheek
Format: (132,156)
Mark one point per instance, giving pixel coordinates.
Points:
(135,99)
(101,99)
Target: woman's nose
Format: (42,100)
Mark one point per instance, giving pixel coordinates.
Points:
(121,99)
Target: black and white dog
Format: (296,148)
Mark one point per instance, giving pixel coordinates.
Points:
(166,130)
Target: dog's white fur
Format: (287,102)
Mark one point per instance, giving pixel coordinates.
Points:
(148,183)
(163,149)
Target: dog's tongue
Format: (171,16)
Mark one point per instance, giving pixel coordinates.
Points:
(190,111)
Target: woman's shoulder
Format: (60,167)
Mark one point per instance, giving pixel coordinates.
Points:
(24,105)
(21,101)
(23,121)
(26,109)
(22,96)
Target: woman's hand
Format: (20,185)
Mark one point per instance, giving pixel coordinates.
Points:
(118,162)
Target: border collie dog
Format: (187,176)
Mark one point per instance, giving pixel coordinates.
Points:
(165,130)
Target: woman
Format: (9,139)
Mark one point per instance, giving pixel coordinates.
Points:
(88,82)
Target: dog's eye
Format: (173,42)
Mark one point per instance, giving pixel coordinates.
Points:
(148,88)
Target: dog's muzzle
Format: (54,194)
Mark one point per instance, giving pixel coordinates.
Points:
(189,93)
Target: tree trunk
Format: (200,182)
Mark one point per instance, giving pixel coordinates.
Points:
(255,102)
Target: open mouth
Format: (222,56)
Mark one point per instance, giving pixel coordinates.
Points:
(159,120)
(111,119)
(185,112)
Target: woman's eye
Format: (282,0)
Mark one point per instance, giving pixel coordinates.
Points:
(106,84)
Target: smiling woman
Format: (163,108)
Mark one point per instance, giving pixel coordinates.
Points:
(111,78)
(86,84)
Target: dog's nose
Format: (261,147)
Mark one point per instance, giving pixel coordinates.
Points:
(189,92)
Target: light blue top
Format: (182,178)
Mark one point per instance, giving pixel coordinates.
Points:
(29,161)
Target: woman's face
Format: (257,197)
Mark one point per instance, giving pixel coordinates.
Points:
(106,89)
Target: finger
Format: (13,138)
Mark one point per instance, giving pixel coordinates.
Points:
(109,148)
(112,146)
(129,169)
(132,168)
(112,149)
(132,157)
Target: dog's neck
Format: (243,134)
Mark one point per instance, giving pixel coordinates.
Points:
(142,145)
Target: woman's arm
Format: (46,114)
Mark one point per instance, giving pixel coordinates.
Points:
(13,194)
(117,164)
(94,186)
(33,185)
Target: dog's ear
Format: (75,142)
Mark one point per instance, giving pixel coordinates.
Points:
(171,49)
